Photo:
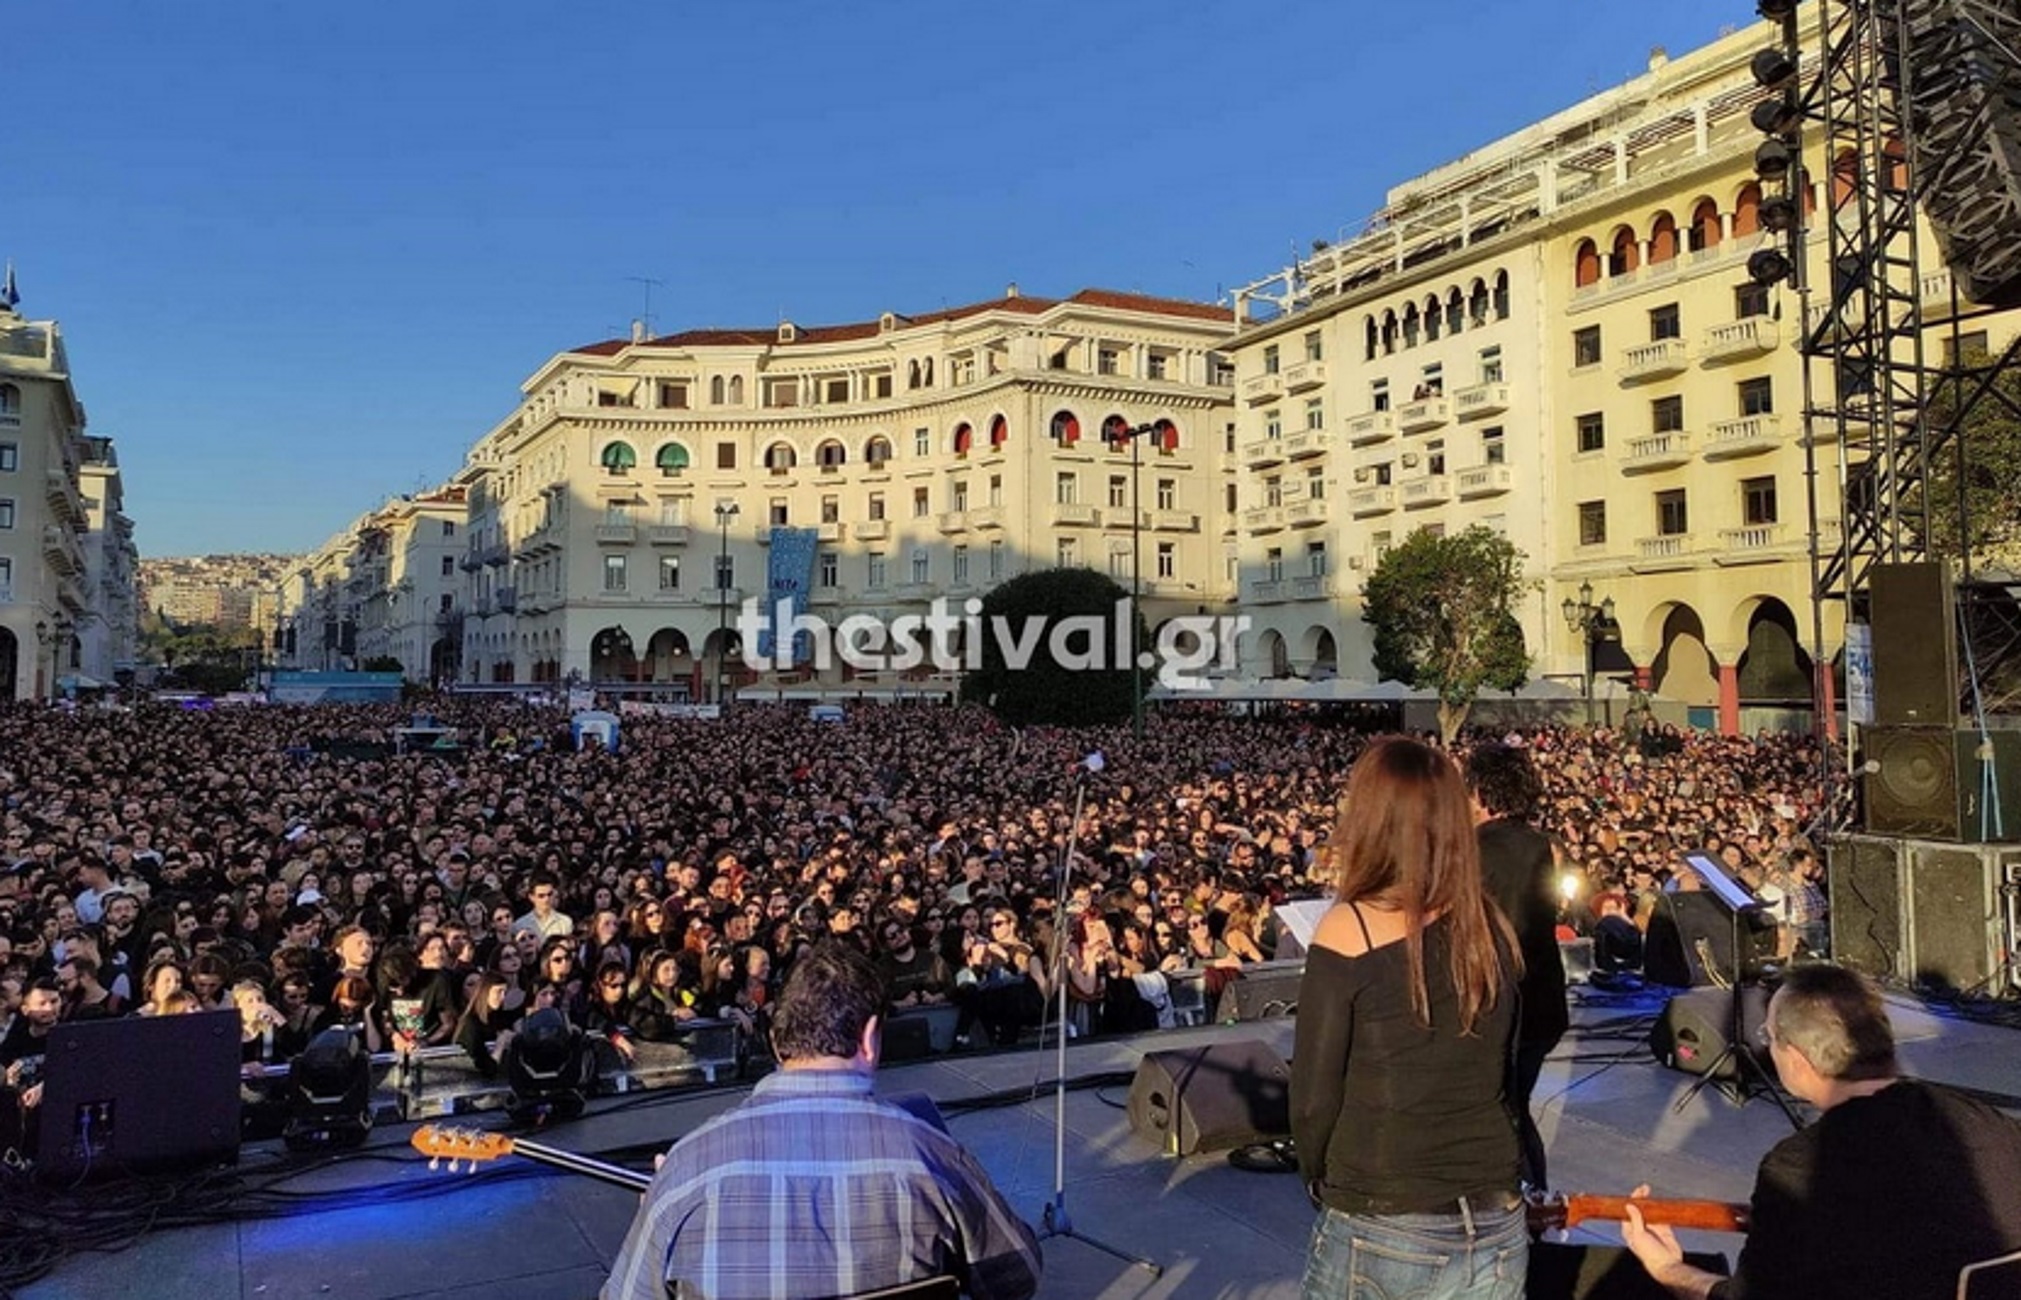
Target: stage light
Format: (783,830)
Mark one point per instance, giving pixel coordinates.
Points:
(1768,266)
(1773,68)
(1775,10)
(1778,214)
(1775,116)
(1569,885)
(547,1069)
(1773,159)
(329,1093)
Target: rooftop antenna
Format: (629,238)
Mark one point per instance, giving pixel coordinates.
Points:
(647,315)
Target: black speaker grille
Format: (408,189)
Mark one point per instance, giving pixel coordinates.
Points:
(1913,787)
(1866,894)
(1967,132)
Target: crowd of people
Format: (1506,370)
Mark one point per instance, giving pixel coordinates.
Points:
(268,859)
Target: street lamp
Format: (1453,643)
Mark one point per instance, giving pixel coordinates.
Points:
(725,512)
(41,640)
(1136,434)
(1587,621)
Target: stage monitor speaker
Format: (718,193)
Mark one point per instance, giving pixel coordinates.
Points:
(1958,916)
(1914,623)
(1695,1027)
(1944,783)
(1212,1098)
(140,1094)
(1565,1271)
(1863,875)
(1965,125)
(1690,942)
(1263,992)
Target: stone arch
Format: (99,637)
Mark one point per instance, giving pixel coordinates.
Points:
(1704,232)
(1774,669)
(1273,655)
(10,664)
(1662,238)
(1623,253)
(668,656)
(1747,209)
(1684,668)
(1318,647)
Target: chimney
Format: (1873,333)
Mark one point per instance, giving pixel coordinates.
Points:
(638,331)
(1011,290)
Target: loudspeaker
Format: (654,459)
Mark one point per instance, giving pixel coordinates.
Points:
(139,1094)
(1864,878)
(1212,1098)
(1262,992)
(1563,1271)
(1932,782)
(1957,916)
(1690,942)
(1915,639)
(1695,1027)
(1966,129)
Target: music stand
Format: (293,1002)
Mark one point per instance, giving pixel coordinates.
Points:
(1749,1078)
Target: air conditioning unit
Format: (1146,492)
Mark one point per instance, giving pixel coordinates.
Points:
(1354,562)
(1410,460)
(1361,476)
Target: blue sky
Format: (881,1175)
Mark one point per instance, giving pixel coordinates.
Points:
(304,254)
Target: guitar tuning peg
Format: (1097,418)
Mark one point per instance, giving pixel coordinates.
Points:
(434,1163)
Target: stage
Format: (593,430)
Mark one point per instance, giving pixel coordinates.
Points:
(516,1230)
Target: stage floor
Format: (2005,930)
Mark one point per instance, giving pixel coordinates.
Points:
(517,1231)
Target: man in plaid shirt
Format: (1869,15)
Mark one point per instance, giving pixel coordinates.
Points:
(813,1187)
(1809,913)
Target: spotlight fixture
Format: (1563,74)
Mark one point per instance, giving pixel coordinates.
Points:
(329,1093)
(1778,214)
(1775,10)
(548,1070)
(1768,266)
(1772,68)
(1773,158)
(1775,117)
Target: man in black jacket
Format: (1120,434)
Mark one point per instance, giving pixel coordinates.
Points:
(1521,876)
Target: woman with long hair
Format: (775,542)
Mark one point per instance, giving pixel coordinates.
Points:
(1405,1021)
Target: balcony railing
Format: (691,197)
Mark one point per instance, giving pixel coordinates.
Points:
(1363,502)
(1262,451)
(1074,514)
(828,531)
(1313,586)
(1653,451)
(1172,521)
(1258,389)
(1425,413)
(1263,519)
(1481,399)
(617,534)
(873,530)
(1751,544)
(1371,427)
(497,554)
(1308,442)
(986,517)
(1749,436)
(1303,514)
(667,534)
(1304,376)
(954,521)
(1742,338)
(1654,360)
(1667,551)
(1432,490)
(1266,591)
(1483,481)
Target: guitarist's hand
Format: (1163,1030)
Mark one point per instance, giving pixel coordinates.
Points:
(1656,1246)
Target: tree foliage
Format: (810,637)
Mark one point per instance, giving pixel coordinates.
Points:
(1989,435)
(1442,608)
(1043,689)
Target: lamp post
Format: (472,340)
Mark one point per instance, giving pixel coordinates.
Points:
(41,640)
(725,512)
(1136,434)
(1587,621)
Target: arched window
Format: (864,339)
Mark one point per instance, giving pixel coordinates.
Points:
(912,374)
(618,458)
(736,390)
(1065,429)
(1456,313)
(1624,256)
(1388,332)
(926,373)
(1168,436)
(1662,239)
(716,391)
(1747,210)
(1434,319)
(877,451)
(1585,264)
(672,459)
(1845,177)
(779,458)
(999,432)
(964,438)
(1704,225)
(831,455)
(1114,430)
(1410,325)
(10,404)
(1501,295)
(1373,339)
(1477,304)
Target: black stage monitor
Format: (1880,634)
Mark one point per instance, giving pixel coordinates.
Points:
(139,1094)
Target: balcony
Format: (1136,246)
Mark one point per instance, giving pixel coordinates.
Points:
(916,590)
(472,560)
(1432,490)
(1313,586)
(1363,502)
(497,555)
(1654,361)
(1172,521)
(986,517)
(953,521)
(1263,519)
(828,531)
(1258,452)
(1742,338)
(1258,389)
(1371,427)
(617,534)
(1753,544)
(667,534)
(481,607)
(1483,481)
(1267,591)
(1308,442)
(1480,400)
(1304,514)
(1748,436)
(1304,376)
(1072,514)
(1654,451)
(1425,413)
(715,596)
(1661,553)
(507,599)
(873,530)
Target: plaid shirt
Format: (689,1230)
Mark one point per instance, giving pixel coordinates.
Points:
(815,1188)
(1806,902)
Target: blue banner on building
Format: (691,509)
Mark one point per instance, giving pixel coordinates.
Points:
(789,577)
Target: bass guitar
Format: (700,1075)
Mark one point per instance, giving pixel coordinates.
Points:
(1551,1212)
(473,1147)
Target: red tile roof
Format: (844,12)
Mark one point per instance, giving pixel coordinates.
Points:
(1022,304)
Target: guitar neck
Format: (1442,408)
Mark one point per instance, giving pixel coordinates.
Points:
(616,1175)
(1707,1216)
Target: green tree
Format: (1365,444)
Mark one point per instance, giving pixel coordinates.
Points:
(1443,612)
(1045,688)
(1990,436)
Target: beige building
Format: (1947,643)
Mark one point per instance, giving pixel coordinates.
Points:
(388,586)
(109,635)
(623,514)
(1646,394)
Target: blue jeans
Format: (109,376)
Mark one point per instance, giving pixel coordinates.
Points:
(1481,1256)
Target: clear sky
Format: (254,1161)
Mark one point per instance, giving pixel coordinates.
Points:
(304,254)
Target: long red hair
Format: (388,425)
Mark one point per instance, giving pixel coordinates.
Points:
(1405,839)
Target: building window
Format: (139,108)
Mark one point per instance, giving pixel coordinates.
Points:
(6,513)
(778,512)
(619,458)
(1119,491)
(921,507)
(674,397)
(1157,364)
(957,495)
(1168,560)
(1315,559)
(1107,362)
(1273,490)
(670,573)
(1378,394)
(726,455)
(1757,500)
(873,571)
(726,573)
(1666,415)
(1315,485)
(671,460)
(617,513)
(922,566)
(960,566)
(1273,564)
(1273,425)
(1665,323)
(831,455)
(1270,361)
(1119,564)
(613,573)
(995,561)
(1065,429)
(779,458)
(449,528)
(1592,431)
(996,489)
(1586,346)
(922,442)
(6,574)
(1493,451)
(877,451)
(1672,520)
(831,509)
(1971,344)
(448,566)
(1592,523)
(1431,384)
(674,512)
(1315,413)
(1757,396)
(1750,300)
(875,509)
(1435,457)
(831,569)
(1067,553)
(1167,494)
(1491,365)
(1229,504)
(1066,488)
(881,384)
(10,404)
(10,457)
(1314,349)
(1381,473)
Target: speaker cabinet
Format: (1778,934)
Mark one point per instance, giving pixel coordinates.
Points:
(1915,638)
(1967,139)
(1695,1028)
(140,1094)
(1263,992)
(1212,1098)
(1942,915)
(1690,942)
(1943,783)
(1863,875)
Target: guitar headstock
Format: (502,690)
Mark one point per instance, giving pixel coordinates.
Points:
(1547,1211)
(441,1142)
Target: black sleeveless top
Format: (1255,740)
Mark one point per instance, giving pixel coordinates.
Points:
(1389,1116)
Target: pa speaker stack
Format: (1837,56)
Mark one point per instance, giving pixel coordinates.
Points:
(1213,1098)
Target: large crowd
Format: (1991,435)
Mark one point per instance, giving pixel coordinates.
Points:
(156,859)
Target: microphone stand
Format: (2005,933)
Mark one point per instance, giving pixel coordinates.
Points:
(1054,1220)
